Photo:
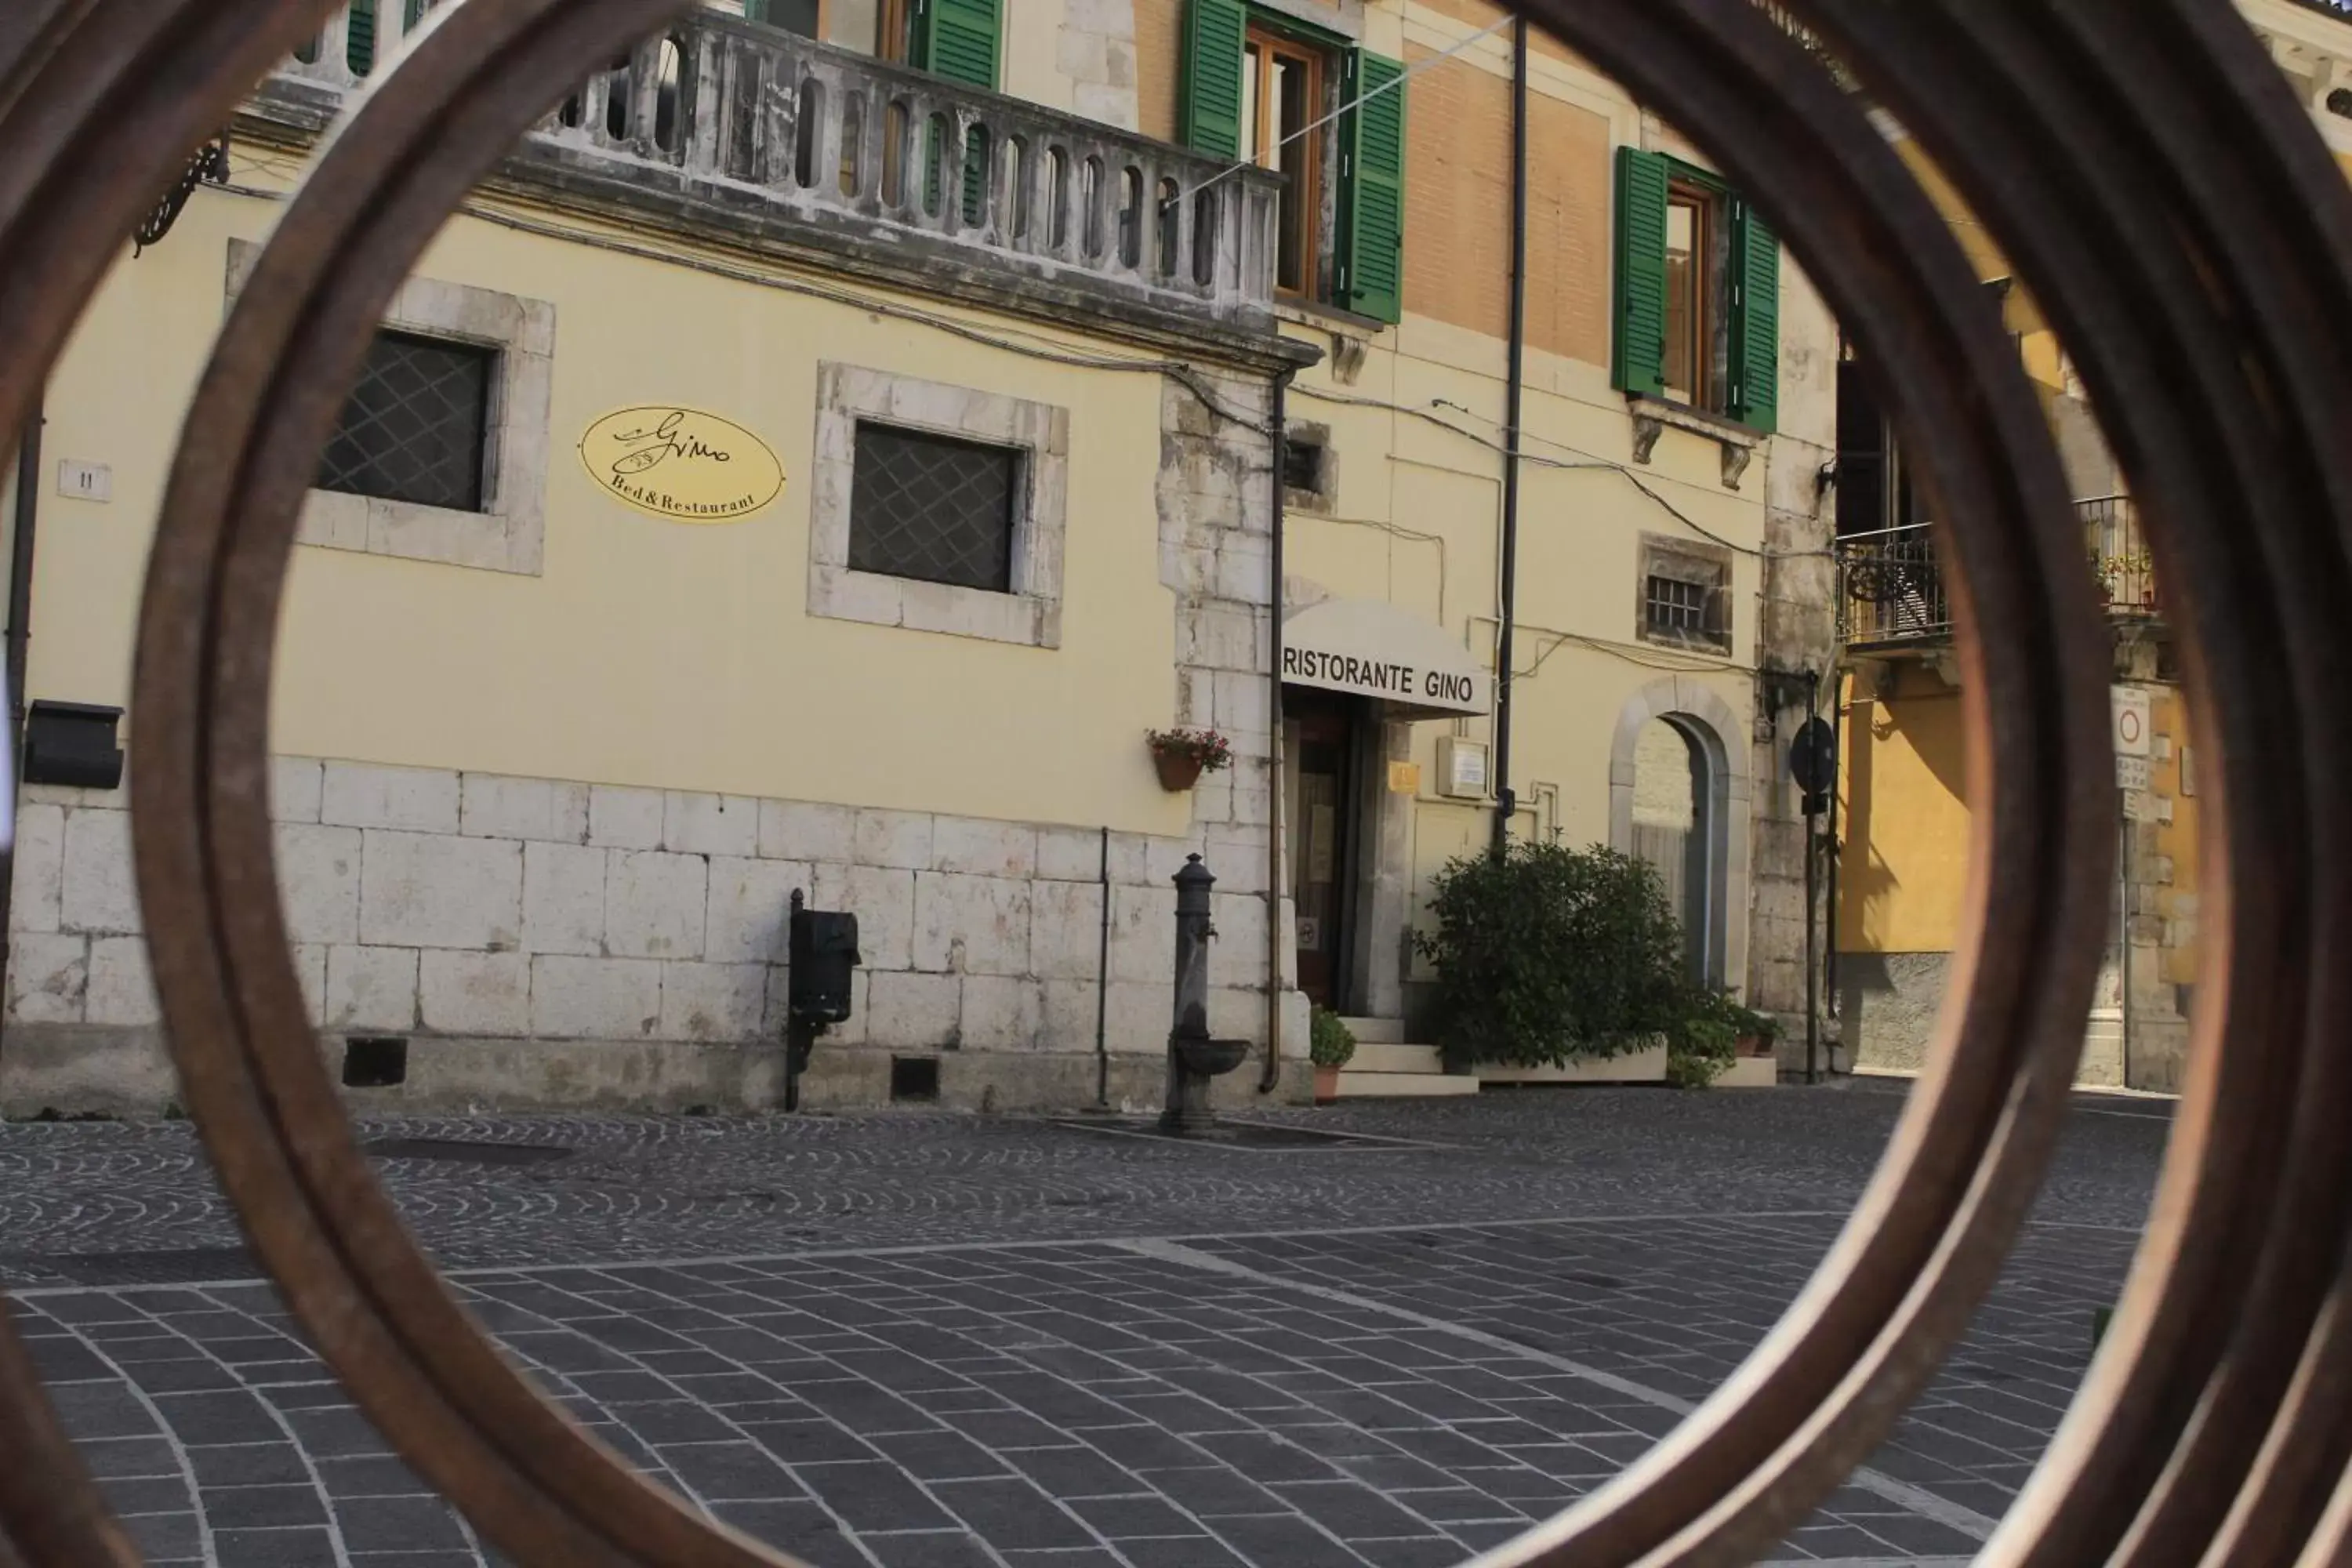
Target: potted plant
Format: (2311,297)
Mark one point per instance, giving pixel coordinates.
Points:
(1330,1046)
(1183,755)
(1758,1033)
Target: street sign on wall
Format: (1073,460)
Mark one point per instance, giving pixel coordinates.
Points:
(2130,706)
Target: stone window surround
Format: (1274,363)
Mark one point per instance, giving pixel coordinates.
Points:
(1653,416)
(510,533)
(1030,615)
(1684,560)
(1324,498)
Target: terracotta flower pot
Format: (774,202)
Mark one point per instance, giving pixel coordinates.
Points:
(1178,772)
(1327,1085)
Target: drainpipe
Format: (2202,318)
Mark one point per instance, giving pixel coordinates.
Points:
(1506,803)
(1279,434)
(19,640)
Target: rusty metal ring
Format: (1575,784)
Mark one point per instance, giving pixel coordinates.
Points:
(128,86)
(1936,1224)
(1930,1232)
(470,83)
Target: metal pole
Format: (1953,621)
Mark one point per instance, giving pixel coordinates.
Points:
(1505,800)
(1102,988)
(1812,965)
(2123,941)
(1842,712)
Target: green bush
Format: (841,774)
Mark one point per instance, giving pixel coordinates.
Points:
(1329,1042)
(1545,955)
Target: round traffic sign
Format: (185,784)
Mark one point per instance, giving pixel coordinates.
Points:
(1812,756)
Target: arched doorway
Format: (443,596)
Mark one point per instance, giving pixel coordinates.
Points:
(1674,831)
(1679,799)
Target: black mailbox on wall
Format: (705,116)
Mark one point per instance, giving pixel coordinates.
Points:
(823,951)
(73,744)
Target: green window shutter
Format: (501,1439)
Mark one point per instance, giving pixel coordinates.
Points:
(1755,320)
(358,50)
(1371,188)
(957,40)
(1211,96)
(360,53)
(1641,271)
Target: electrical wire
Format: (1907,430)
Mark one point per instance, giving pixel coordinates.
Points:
(1591,462)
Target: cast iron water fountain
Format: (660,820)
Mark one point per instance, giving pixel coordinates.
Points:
(1193,1059)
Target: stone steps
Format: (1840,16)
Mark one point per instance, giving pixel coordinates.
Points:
(1356,1085)
(1386,1059)
(1387,1067)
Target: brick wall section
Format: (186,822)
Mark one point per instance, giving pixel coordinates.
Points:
(1457,231)
(1570,238)
(1158,58)
(1457,192)
(426,901)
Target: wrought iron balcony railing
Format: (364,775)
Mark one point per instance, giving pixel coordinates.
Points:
(829,147)
(2119,556)
(1891,587)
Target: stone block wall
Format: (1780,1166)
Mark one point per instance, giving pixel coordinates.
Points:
(518,913)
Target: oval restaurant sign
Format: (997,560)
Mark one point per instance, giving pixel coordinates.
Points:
(682,464)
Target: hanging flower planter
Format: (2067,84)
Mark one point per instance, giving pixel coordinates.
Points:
(1183,755)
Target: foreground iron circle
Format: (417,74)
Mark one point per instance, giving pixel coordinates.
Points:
(125,87)
(2174,214)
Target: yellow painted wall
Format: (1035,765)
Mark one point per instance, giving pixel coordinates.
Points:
(649,653)
(1903,816)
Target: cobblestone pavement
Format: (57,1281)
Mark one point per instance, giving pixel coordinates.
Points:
(920,1341)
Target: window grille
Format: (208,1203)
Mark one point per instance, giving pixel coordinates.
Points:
(933,507)
(416,427)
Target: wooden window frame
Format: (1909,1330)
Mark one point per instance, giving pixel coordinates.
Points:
(1315,246)
(893,24)
(1709,289)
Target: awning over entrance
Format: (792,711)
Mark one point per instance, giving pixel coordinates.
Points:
(1374,649)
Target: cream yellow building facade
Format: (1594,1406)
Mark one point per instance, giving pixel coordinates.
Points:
(557,748)
(1903,819)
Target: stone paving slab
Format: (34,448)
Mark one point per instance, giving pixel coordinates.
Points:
(1404,1389)
(96,1196)
(1270,1400)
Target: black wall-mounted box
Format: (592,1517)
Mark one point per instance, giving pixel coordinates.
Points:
(73,744)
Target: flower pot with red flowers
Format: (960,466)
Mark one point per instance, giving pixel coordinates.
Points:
(1183,755)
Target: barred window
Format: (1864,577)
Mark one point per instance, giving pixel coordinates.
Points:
(1685,595)
(1677,608)
(416,427)
(933,507)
